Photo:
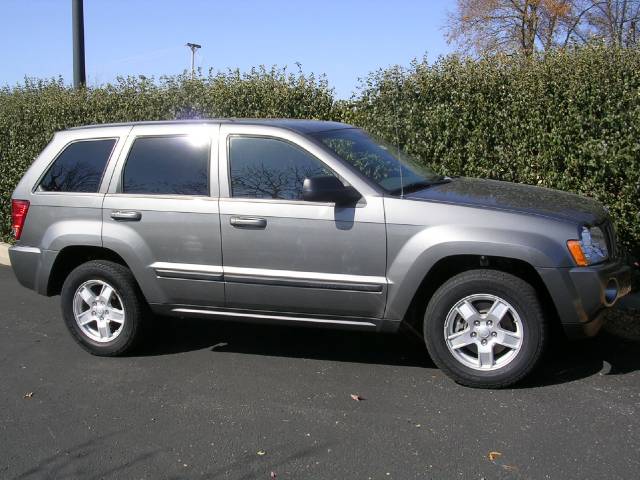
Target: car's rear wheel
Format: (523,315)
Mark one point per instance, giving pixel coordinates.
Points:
(485,328)
(103,308)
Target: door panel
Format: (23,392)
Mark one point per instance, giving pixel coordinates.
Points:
(323,265)
(304,257)
(171,242)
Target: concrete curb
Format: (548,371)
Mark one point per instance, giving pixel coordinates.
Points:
(4,254)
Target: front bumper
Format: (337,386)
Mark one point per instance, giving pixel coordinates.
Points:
(582,294)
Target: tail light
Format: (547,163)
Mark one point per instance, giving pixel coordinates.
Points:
(19,209)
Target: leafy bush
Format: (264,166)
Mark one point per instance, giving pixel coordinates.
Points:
(569,120)
(31,113)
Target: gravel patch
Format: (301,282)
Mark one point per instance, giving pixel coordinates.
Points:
(623,323)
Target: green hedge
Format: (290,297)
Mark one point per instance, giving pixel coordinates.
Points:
(31,113)
(569,120)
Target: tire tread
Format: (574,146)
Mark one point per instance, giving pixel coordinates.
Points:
(137,310)
(526,295)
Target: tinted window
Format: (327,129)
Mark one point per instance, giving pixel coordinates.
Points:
(389,167)
(270,168)
(79,167)
(168,166)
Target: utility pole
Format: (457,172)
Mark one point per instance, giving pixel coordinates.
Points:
(77,14)
(193,47)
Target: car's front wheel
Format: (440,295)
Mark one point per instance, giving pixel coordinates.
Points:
(485,328)
(103,308)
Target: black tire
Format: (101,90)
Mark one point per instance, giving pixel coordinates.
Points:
(135,307)
(524,300)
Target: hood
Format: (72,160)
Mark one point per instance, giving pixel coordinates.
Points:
(515,197)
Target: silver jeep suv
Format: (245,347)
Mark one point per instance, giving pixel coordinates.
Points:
(307,222)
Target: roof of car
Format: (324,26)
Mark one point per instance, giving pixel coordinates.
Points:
(302,126)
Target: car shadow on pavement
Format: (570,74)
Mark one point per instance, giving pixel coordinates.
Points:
(181,335)
(564,361)
(605,355)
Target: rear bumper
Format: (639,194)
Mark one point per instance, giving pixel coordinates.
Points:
(582,294)
(32,266)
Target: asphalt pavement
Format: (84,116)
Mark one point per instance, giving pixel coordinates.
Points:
(221,400)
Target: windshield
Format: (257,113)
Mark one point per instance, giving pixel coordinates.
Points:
(393,171)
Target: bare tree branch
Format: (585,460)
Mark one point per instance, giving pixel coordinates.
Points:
(527,26)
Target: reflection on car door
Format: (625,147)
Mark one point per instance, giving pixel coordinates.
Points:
(162,212)
(284,254)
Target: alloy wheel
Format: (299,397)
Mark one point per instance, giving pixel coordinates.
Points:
(99,311)
(483,332)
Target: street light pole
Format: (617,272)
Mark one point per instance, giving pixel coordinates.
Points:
(77,14)
(193,47)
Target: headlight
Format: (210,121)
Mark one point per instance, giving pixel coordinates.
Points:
(591,248)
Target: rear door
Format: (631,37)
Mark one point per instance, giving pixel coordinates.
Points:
(288,255)
(161,213)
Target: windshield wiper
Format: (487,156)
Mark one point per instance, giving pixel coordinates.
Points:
(415,186)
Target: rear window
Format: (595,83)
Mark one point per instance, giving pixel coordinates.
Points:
(79,167)
(177,165)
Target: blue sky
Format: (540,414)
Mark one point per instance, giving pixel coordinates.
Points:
(343,39)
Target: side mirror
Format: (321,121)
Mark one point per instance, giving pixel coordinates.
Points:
(328,189)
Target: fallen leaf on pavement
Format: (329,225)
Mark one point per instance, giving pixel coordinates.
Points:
(493,455)
(261,452)
(356,397)
(28,395)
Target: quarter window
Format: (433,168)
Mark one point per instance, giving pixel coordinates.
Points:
(177,165)
(79,167)
(269,168)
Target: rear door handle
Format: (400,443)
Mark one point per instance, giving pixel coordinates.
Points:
(126,215)
(249,222)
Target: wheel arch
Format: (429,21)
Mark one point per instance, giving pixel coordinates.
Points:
(449,266)
(73,256)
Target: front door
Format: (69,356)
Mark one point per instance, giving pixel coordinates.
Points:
(161,213)
(287,255)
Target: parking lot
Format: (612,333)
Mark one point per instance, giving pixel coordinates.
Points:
(209,399)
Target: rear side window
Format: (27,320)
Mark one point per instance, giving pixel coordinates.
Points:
(79,167)
(269,168)
(177,165)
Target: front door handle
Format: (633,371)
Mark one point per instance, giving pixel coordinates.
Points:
(249,222)
(126,215)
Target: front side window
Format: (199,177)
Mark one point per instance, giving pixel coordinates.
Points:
(264,167)
(177,165)
(393,170)
(79,167)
